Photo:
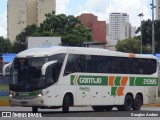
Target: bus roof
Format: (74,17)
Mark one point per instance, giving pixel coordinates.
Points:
(41,52)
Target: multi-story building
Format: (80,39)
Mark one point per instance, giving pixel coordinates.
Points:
(157,9)
(120,28)
(126,31)
(98,28)
(116,21)
(22,13)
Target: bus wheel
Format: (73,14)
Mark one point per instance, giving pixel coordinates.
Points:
(137,103)
(66,104)
(108,108)
(127,104)
(98,108)
(34,109)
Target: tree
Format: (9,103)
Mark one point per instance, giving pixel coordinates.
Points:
(69,28)
(5,45)
(147,33)
(131,45)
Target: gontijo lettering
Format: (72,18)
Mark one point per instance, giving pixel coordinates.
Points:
(90,80)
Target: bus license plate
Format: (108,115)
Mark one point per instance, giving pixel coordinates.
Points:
(24,102)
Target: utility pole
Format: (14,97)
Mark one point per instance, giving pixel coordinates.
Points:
(141,15)
(153,35)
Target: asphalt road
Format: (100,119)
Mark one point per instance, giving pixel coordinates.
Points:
(86,113)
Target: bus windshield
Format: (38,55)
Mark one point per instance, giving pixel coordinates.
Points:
(26,74)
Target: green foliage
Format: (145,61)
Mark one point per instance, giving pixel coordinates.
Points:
(5,45)
(147,33)
(131,45)
(69,28)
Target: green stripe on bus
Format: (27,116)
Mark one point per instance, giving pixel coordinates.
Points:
(113,91)
(103,80)
(117,81)
(72,79)
(144,81)
(132,79)
(89,80)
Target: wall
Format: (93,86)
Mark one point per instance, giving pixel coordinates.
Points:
(34,42)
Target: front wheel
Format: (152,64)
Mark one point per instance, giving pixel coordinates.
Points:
(34,109)
(65,107)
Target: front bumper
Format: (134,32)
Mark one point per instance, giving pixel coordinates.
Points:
(38,101)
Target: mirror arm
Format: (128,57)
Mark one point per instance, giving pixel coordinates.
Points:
(44,67)
(4,68)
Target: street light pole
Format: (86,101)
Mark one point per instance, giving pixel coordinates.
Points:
(141,15)
(153,35)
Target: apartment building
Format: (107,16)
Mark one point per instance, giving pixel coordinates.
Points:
(120,28)
(22,13)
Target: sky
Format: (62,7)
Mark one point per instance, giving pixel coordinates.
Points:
(100,8)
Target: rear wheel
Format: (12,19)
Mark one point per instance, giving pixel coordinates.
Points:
(137,103)
(127,104)
(34,109)
(66,104)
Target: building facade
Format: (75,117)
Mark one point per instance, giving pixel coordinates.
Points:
(157,9)
(22,13)
(126,31)
(119,28)
(116,20)
(98,28)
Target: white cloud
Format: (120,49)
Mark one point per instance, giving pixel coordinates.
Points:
(3,25)
(102,8)
(3,32)
(61,6)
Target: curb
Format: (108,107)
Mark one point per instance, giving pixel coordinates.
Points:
(153,105)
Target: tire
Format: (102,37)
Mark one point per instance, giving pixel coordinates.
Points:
(66,104)
(108,108)
(127,104)
(98,108)
(137,103)
(120,108)
(34,109)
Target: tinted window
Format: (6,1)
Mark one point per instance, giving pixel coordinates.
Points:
(109,64)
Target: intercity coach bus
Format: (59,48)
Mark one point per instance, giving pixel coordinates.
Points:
(58,77)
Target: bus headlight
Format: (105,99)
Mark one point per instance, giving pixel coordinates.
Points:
(40,94)
(12,94)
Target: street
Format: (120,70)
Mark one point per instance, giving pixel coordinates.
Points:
(86,112)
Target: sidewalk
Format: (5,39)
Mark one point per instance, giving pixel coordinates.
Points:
(153,105)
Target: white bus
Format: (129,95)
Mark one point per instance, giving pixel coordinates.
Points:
(72,76)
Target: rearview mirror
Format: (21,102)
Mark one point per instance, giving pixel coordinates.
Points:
(4,69)
(44,67)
